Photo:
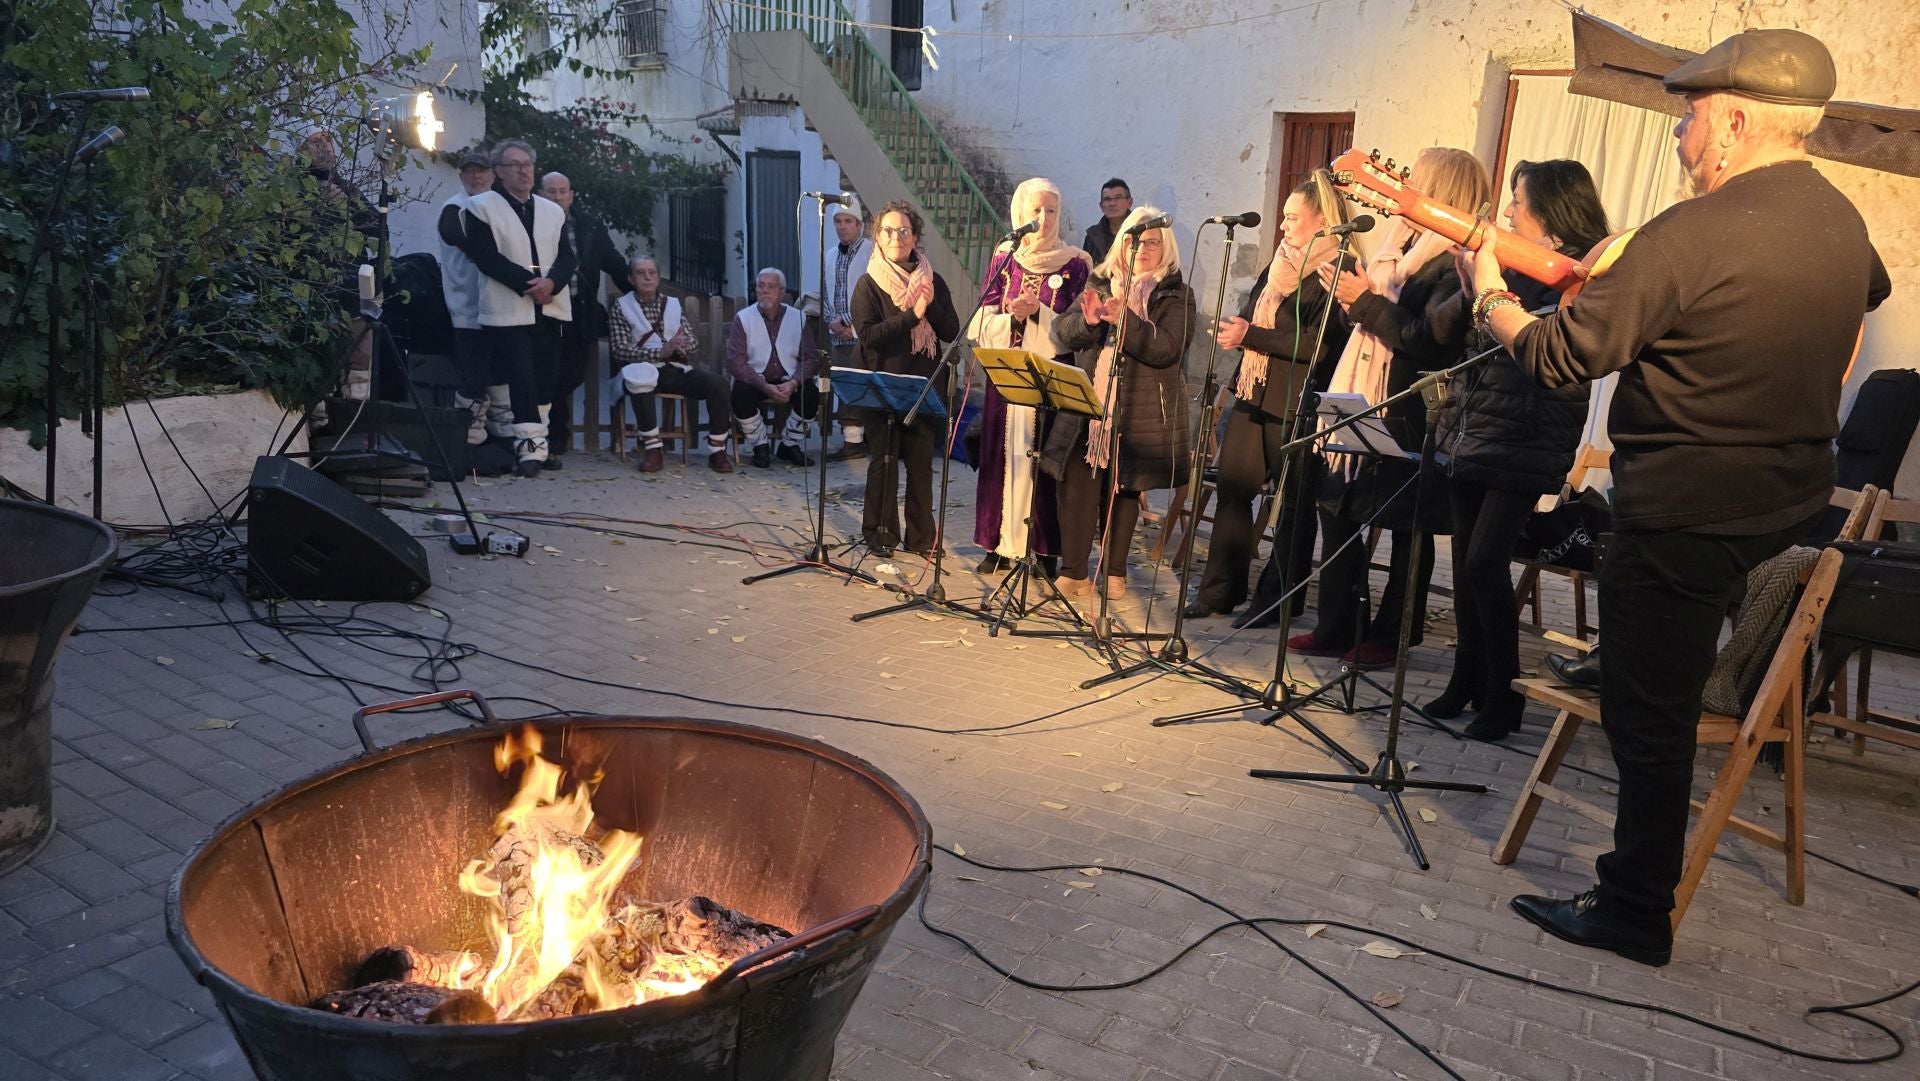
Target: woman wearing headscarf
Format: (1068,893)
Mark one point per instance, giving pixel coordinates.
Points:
(1028,283)
(1276,333)
(1103,464)
(1393,341)
(901,311)
(1505,441)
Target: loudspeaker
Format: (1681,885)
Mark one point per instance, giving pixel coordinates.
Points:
(309,538)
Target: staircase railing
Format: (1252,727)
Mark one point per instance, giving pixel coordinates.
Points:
(965,217)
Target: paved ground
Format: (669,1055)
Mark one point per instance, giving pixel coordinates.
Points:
(90,989)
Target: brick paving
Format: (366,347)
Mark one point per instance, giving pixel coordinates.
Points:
(90,989)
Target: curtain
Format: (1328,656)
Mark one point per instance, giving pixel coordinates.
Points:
(1628,150)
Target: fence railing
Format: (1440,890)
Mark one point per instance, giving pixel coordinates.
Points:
(968,221)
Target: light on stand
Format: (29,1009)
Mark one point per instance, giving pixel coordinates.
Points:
(405,122)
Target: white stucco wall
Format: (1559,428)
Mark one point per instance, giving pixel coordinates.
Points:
(787,130)
(1188,116)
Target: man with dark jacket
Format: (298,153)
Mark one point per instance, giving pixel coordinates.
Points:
(580,342)
(1116,202)
(1730,318)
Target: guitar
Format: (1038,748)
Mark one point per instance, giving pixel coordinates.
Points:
(1364,179)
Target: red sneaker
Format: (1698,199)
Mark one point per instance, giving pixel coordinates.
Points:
(1368,655)
(1310,645)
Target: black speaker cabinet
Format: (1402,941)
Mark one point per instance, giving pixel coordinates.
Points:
(309,538)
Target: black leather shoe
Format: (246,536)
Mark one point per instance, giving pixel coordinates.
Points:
(1453,701)
(1576,671)
(552,463)
(1498,719)
(1201,610)
(1258,615)
(793,455)
(880,549)
(1583,921)
(763,456)
(993,564)
(848,452)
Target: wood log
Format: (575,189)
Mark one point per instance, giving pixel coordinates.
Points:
(405,964)
(407,1004)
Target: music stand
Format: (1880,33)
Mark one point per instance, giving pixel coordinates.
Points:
(1024,378)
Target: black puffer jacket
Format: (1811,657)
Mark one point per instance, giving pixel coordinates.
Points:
(1152,448)
(1499,428)
(1369,494)
(1291,359)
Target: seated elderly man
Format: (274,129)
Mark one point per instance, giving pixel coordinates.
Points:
(653,347)
(770,354)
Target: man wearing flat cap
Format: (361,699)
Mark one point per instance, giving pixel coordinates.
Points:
(1731,318)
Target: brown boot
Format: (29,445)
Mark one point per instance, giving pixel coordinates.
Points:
(654,460)
(720,462)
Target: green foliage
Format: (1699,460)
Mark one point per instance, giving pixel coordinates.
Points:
(620,180)
(222,261)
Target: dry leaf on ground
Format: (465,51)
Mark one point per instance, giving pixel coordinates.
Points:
(1053,806)
(1387,1000)
(1427,815)
(1428,912)
(1112,786)
(1314,929)
(215,722)
(1382,949)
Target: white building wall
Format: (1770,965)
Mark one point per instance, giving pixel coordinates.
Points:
(1190,117)
(786,129)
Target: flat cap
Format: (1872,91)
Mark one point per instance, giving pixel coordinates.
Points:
(1786,67)
(473,159)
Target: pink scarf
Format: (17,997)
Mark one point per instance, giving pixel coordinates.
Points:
(899,283)
(1367,361)
(1100,432)
(1283,280)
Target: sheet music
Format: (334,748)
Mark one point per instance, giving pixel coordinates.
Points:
(1367,436)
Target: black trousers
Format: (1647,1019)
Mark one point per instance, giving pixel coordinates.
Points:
(694,384)
(577,354)
(1249,457)
(1343,585)
(473,360)
(1664,595)
(1082,495)
(1486,522)
(891,444)
(522,358)
(747,400)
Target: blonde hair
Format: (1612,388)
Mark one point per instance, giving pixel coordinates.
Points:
(1318,190)
(1116,264)
(1768,121)
(1454,177)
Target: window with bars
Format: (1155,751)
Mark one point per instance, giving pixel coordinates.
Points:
(643,33)
(697,246)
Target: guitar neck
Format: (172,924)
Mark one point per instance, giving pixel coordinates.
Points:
(1542,264)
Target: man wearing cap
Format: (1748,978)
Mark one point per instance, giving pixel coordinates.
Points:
(653,348)
(849,263)
(460,284)
(518,239)
(1731,318)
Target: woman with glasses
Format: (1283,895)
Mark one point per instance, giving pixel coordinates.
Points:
(1103,464)
(1028,284)
(902,311)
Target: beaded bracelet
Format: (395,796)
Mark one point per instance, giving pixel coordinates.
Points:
(1494,303)
(1486,298)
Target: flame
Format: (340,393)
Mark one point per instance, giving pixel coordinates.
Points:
(550,888)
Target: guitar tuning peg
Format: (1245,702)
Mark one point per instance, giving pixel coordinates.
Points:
(1374,155)
(1406,173)
(1390,165)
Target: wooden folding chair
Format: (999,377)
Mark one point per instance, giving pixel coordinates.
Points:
(1778,715)
(1527,590)
(1184,516)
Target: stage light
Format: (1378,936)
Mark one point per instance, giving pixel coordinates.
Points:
(407,121)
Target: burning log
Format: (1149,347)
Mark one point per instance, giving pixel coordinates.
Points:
(404,964)
(408,1003)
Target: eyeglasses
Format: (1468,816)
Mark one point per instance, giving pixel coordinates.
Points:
(889,230)
(514,165)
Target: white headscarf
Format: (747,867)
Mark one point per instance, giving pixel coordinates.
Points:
(1041,251)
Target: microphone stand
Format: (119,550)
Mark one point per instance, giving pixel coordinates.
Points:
(1173,652)
(1389,774)
(818,557)
(1278,695)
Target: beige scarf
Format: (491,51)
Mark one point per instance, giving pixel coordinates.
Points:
(1100,432)
(1367,361)
(899,283)
(1283,280)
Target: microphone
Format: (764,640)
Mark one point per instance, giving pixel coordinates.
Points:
(116,93)
(108,136)
(1158,221)
(1031,227)
(1358,225)
(828,197)
(1248,220)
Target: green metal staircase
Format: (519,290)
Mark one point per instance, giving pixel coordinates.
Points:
(963,220)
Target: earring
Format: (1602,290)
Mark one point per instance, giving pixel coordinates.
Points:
(1723,165)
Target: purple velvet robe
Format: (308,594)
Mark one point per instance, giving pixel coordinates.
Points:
(1006,278)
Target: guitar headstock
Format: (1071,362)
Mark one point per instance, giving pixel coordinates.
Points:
(1372,182)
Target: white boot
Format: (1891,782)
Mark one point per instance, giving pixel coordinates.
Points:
(500,411)
(477,425)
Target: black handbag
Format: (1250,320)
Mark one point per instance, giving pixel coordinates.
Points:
(1567,536)
(1876,596)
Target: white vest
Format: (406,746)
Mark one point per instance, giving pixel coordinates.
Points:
(629,309)
(459,278)
(760,350)
(500,306)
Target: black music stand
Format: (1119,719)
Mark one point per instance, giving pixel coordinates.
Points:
(1024,378)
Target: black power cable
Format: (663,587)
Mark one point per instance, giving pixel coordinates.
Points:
(1258,925)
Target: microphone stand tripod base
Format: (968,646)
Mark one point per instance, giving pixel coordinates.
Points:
(1388,775)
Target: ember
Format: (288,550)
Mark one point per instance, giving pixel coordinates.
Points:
(569,934)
